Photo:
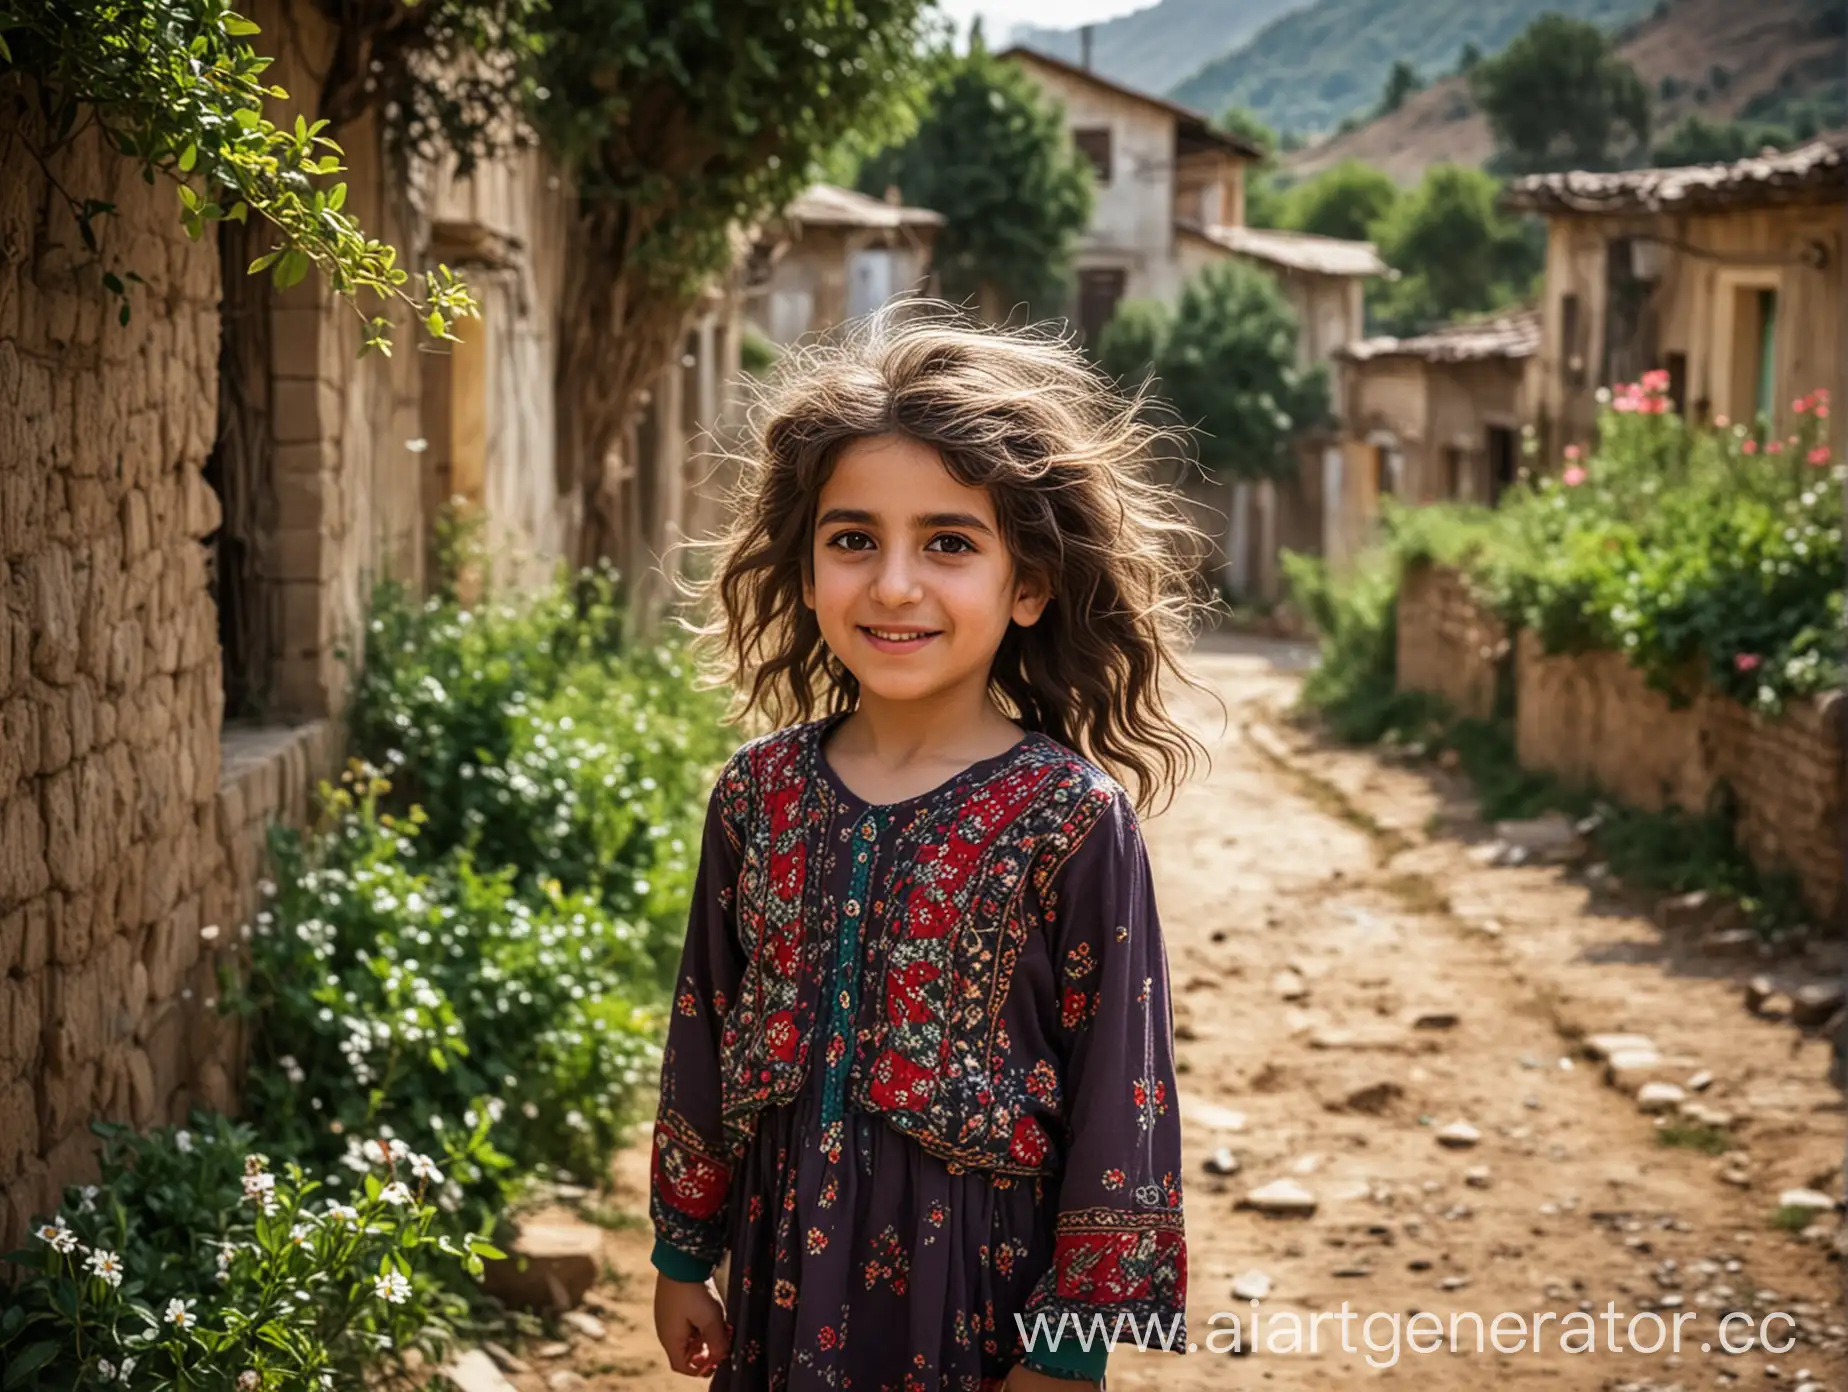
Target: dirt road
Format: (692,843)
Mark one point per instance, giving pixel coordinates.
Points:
(1349,982)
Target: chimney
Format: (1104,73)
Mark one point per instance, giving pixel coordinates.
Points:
(1084,46)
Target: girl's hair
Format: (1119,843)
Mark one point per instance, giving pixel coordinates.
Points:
(1067,460)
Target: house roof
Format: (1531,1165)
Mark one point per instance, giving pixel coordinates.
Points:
(1812,173)
(1193,124)
(827,205)
(1507,336)
(1295,251)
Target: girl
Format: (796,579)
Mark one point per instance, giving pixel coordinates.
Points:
(919,1082)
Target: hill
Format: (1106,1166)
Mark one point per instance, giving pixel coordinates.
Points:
(1154,48)
(1311,69)
(1771,60)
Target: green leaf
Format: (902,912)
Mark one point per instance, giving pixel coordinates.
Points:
(486,1249)
(336,197)
(264,262)
(122,314)
(434,323)
(291,269)
(238,27)
(188,158)
(35,1357)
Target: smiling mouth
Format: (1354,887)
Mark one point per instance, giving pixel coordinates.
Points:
(909,637)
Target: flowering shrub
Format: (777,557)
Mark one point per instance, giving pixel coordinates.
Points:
(1715,551)
(197,1264)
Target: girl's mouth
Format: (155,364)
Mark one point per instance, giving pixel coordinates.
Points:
(898,640)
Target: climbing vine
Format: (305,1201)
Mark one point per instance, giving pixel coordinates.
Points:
(173,85)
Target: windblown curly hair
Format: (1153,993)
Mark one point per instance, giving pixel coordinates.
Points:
(1067,460)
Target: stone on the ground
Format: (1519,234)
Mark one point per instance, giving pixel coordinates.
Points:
(1601,1046)
(1222,1162)
(1434,1020)
(1477,1176)
(1251,1285)
(557,1348)
(1700,1081)
(1458,1134)
(1629,1069)
(1757,991)
(1289,986)
(1682,911)
(1729,942)
(1776,1006)
(1375,1098)
(547,1264)
(1281,1198)
(583,1322)
(1553,837)
(474,1371)
(505,1358)
(1813,1004)
(1808,1200)
(1655,1097)
(1702,1115)
(1451,1283)
(564,1380)
(1212,1116)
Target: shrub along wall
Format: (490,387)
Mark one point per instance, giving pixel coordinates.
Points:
(1592,719)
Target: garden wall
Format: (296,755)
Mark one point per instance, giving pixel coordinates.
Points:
(1447,644)
(1592,719)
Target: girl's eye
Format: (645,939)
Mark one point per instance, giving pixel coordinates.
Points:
(962,543)
(847,541)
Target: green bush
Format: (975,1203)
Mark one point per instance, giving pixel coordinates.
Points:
(195,1264)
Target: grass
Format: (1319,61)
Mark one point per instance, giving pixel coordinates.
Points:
(1688,1135)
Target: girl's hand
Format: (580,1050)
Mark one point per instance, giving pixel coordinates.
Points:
(690,1323)
(1021,1378)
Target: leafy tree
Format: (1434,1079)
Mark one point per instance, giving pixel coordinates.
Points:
(1557,97)
(1242,121)
(1132,343)
(1401,83)
(1266,198)
(1228,365)
(1468,58)
(1348,200)
(1456,252)
(992,156)
(680,122)
(1699,141)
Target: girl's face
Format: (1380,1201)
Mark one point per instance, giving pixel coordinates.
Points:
(910,580)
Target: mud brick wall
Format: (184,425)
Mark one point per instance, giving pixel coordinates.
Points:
(1448,645)
(1591,719)
(123,866)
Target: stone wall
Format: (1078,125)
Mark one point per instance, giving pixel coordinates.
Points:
(1448,645)
(1591,719)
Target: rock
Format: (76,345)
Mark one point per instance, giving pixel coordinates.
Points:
(547,1265)
(1355,1270)
(1776,1006)
(1659,1097)
(1459,1135)
(557,1348)
(1374,1099)
(1550,838)
(564,1380)
(1736,1177)
(474,1371)
(1682,911)
(1289,986)
(1729,942)
(1757,991)
(1808,1200)
(1700,1081)
(504,1358)
(582,1322)
(1451,1283)
(1702,1115)
(1601,1046)
(1477,1176)
(1213,1116)
(1630,1069)
(1434,1020)
(1281,1198)
(1812,1005)
(1251,1285)
(1222,1162)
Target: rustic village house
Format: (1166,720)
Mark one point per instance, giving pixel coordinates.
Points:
(193,509)
(1729,277)
(1171,202)
(834,255)
(1434,418)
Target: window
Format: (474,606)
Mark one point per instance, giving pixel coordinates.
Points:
(1098,293)
(1093,143)
(1385,472)
(1767,351)
(1502,461)
(1678,383)
(1753,384)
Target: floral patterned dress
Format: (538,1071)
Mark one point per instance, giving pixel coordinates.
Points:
(918,1086)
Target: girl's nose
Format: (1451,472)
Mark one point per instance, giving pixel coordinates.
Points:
(896,582)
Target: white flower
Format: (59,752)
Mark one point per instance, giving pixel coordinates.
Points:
(375,1152)
(259,1186)
(183,1142)
(395,1194)
(399,1150)
(209,932)
(106,1368)
(58,1237)
(292,1070)
(423,1167)
(180,1315)
(86,1198)
(107,1265)
(300,1233)
(248,1379)
(341,1213)
(392,1288)
(128,1366)
(495,1108)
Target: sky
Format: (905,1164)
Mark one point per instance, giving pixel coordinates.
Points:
(1000,16)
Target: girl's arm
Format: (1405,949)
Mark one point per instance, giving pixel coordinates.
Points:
(1120,1253)
(690,1175)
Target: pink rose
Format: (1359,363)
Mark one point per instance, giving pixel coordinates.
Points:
(1800,405)
(1656,381)
(1822,413)
(1775,447)
(1573,451)
(1750,447)
(1819,456)
(1747,662)
(1721,422)
(1574,476)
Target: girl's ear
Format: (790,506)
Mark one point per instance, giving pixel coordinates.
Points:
(1030,600)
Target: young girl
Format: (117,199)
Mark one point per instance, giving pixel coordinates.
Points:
(919,1081)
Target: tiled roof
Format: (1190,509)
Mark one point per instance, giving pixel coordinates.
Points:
(831,206)
(1296,251)
(1196,124)
(1511,336)
(1812,173)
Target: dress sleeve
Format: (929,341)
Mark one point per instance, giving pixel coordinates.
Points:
(1120,1251)
(690,1171)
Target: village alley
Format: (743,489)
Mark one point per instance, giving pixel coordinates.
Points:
(1349,983)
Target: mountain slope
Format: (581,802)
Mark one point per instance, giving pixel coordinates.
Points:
(1715,58)
(1154,48)
(1309,70)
